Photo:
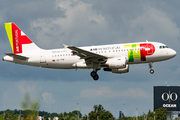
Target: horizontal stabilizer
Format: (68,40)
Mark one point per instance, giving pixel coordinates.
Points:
(17,56)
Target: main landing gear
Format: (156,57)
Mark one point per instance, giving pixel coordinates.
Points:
(94,75)
(150,66)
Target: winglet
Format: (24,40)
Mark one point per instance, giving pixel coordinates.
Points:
(146,40)
(65,46)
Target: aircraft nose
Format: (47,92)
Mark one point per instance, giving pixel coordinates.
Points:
(172,53)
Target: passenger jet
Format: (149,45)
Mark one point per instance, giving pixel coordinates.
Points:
(115,58)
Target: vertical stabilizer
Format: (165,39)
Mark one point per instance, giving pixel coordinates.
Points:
(19,41)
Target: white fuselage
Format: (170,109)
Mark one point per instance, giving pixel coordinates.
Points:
(64,58)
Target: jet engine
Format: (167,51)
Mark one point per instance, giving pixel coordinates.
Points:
(117,63)
(118,71)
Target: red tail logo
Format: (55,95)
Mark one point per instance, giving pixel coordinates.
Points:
(19,38)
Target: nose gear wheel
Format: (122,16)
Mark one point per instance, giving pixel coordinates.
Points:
(150,66)
(151,71)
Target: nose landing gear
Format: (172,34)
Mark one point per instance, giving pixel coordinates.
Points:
(94,75)
(150,66)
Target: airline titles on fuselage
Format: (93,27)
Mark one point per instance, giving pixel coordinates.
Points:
(105,48)
(59,51)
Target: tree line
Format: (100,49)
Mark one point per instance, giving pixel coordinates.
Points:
(99,113)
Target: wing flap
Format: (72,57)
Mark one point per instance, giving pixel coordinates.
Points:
(17,56)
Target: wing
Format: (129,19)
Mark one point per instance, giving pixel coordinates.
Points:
(87,55)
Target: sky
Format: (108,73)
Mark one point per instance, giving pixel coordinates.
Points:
(50,24)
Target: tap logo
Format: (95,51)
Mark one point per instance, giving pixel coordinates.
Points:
(169,96)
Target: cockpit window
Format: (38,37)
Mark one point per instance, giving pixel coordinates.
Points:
(162,47)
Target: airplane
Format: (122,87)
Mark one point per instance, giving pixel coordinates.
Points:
(115,58)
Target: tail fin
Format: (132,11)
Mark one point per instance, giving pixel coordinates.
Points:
(19,42)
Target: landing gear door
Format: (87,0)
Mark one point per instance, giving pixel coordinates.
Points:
(42,57)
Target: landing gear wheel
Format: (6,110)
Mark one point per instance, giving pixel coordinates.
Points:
(151,71)
(150,66)
(93,74)
(96,77)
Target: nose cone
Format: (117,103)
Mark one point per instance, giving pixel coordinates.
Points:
(172,53)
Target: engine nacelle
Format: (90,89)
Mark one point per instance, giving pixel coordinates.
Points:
(118,71)
(117,63)
(122,70)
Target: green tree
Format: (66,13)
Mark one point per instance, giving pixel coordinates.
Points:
(101,113)
(150,114)
(160,113)
(2,117)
